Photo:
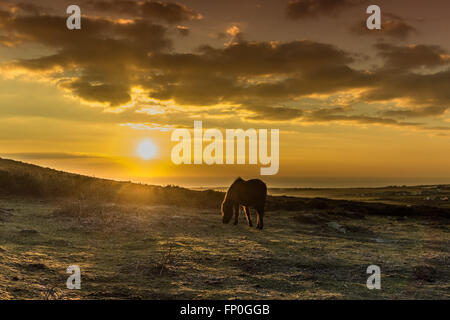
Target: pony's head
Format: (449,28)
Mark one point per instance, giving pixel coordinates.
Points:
(227,210)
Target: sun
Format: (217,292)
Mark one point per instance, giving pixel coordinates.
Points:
(146,149)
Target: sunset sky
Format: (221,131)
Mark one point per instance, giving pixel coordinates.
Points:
(354,107)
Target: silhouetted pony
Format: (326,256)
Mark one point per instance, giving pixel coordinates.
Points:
(251,193)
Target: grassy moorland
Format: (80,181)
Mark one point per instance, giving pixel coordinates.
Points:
(136,241)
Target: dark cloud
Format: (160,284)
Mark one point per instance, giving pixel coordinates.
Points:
(112,93)
(30,8)
(102,57)
(426,92)
(305,9)
(255,58)
(420,89)
(412,56)
(50,30)
(264,113)
(104,60)
(221,35)
(417,113)
(169,12)
(123,7)
(392,26)
(341,114)
(253,73)
(4,15)
(438,128)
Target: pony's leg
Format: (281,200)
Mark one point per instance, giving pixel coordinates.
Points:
(260,221)
(236,214)
(247,216)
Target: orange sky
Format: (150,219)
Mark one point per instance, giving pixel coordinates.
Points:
(354,108)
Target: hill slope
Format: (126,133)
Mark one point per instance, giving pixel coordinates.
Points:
(27,180)
(22,179)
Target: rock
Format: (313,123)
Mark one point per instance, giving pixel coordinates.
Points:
(380,240)
(336,226)
(33,266)
(424,273)
(5,213)
(28,232)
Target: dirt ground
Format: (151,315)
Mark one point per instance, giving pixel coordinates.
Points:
(164,252)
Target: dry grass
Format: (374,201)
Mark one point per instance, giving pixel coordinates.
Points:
(168,252)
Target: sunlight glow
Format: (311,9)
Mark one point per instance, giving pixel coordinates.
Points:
(146,149)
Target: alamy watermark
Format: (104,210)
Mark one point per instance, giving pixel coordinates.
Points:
(213,153)
(374,20)
(374,281)
(73,281)
(73,22)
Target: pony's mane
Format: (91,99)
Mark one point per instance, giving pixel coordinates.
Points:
(237,180)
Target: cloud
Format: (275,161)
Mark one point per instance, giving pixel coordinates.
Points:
(112,93)
(264,113)
(392,26)
(106,58)
(425,93)
(99,61)
(9,7)
(416,113)
(169,12)
(254,58)
(306,9)
(96,32)
(29,8)
(419,89)
(109,58)
(233,31)
(341,114)
(183,31)
(253,73)
(412,56)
